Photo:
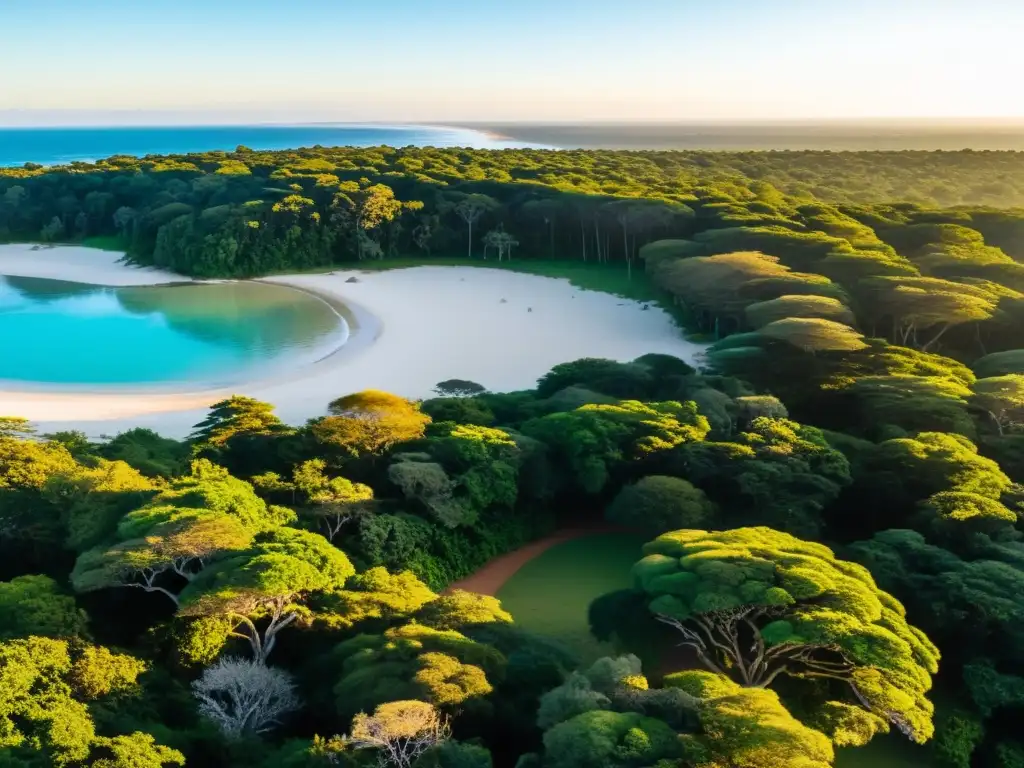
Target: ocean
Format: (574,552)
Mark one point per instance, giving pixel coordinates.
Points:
(56,146)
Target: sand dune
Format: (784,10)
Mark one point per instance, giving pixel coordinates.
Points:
(410,329)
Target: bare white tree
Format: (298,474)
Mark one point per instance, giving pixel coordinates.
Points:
(401,731)
(500,240)
(470,209)
(244,696)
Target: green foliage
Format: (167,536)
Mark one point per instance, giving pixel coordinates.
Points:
(461,610)
(594,440)
(373,596)
(148,452)
(824,307)
(656,504)
(958,735)
(601,739)
(1010,361)
(778,472)
(233,417)
(44,715)
(270,579)
(34,605)
(990,690)
(440,667)
(952,515)
(793,595)
(454,754)
(628,381)
(369,423)
(818,285)
(747,726)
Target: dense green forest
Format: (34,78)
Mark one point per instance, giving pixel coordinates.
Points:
(246,213)
(833,500)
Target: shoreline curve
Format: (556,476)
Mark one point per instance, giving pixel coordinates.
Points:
(409,329)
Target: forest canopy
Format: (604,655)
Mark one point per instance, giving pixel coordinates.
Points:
(832,495)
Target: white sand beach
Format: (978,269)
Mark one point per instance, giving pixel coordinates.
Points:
(411,328)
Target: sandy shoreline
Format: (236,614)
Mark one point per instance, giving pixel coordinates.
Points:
(409,329)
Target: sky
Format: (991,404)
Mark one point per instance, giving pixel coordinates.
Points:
(68,62)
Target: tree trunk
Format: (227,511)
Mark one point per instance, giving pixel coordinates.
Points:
(469,245)
(935,338)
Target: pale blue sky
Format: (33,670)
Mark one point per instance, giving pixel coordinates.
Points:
(197,61)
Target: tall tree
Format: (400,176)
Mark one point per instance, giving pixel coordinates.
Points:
(470,209)
(266,583)
(754,604)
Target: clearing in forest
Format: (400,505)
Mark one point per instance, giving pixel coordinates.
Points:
(551,592)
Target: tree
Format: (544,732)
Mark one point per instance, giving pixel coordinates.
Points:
(244,696)
(180,531)
(15,426)
(267,582)
(973,605)
(656,504)
(824,307)
(458,388)
(470,209)
(442,667)
(594,439)
(754,604)
(899,474)
(401,731)
(911,404)
(365,208)
(501,241)
(741,726)
(136,750)
(123,218)
(1002,399)
(53,232)
(373,598)
(625,380)
(1000,363)
(776,471)
(182,546)
(332,502)
(428,483)
(47,686)
(237,415)
(33,605)
(812,334)
(920,305)
(600,739)
(370,422)
(954,515)
(461,611)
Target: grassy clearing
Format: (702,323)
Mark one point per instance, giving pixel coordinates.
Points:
(103,243)
(100,242)
(551,593)
(891,751)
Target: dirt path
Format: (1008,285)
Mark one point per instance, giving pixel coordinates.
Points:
(492,577)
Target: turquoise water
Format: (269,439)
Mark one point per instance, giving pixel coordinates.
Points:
(51,146)
(215,334)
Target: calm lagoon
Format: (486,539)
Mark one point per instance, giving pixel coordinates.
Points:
(204,335)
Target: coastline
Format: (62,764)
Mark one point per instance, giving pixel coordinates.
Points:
(92,143)
(408,329)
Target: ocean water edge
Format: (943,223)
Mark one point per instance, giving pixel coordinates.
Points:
(61,145)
